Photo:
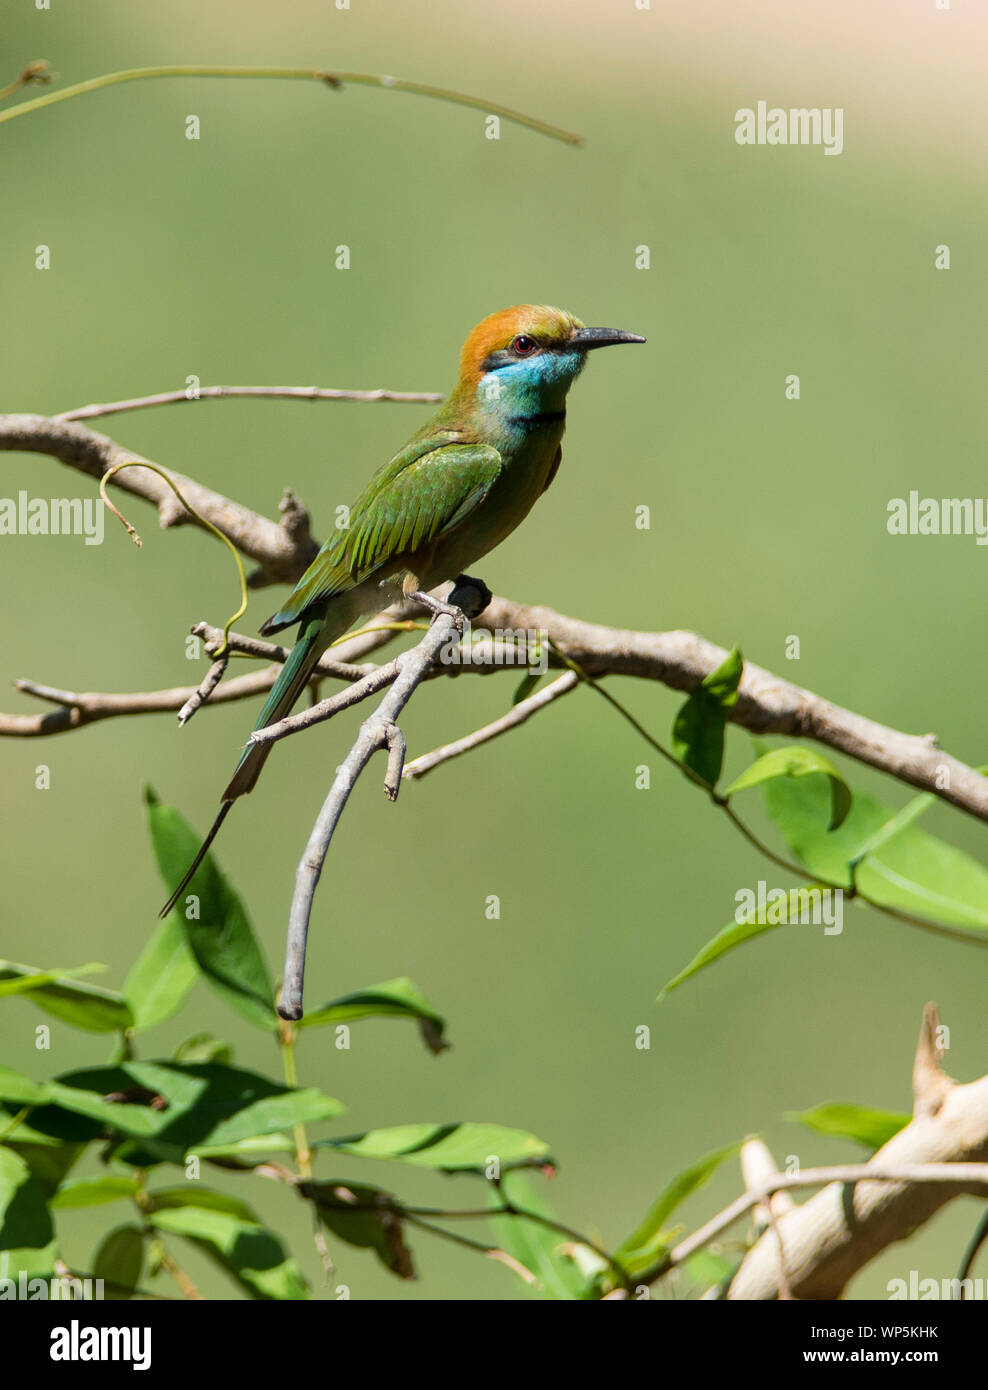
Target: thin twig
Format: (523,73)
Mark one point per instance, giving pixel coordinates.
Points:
(183,502)
(79,708)
(318,713)
(454,1237)
(329,79)
(517,715)
(971,1175)
(172,1267)
(205,688)
(372,736)
(215,393)
(369,683)
(329,665)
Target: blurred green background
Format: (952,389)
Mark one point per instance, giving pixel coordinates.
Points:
(216,258)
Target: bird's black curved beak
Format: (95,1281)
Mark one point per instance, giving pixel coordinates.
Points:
(587,338)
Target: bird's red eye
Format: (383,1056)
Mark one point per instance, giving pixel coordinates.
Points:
(524,346)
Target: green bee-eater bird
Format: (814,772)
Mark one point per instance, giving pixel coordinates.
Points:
(456,490)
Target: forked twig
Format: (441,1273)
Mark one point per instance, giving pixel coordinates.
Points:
(379,731)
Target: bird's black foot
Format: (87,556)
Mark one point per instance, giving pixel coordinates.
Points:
(470,594)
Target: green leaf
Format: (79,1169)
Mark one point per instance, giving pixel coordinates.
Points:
(892,827)
(25,1221)
(911,871)
(735,934)
(707,1270)
(177,1105)
(272,1108)
(732,935)
(50,1160)
(698,729)
(927,877)
(20,1090)
(133,1098)
(245,1153)
(450,1148)
(119,1261)
(252,1254)
(798,763)
(93,1192)
(393,999)
(84,1006)
(193,1195)
(22,984)
(364,1217)
(35,1262)
(162,975)
(203,1047)
(220,937)
(646,1245)
(64,1126)
(536,1247)
(873,1128)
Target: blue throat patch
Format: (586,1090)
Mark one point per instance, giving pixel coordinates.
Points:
(532,388)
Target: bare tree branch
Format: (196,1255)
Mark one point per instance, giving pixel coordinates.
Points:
(282,550)
(79,708)
(371,684)
(955,1179)
(766,704)
(90,707)
(337,662)
(377,677)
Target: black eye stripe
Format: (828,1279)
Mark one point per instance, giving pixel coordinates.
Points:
(503,357)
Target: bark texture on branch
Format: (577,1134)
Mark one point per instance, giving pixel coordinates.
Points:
(835,1234)
(767,704)
(282,550)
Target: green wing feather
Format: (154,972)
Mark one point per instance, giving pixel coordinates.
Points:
(421,494)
